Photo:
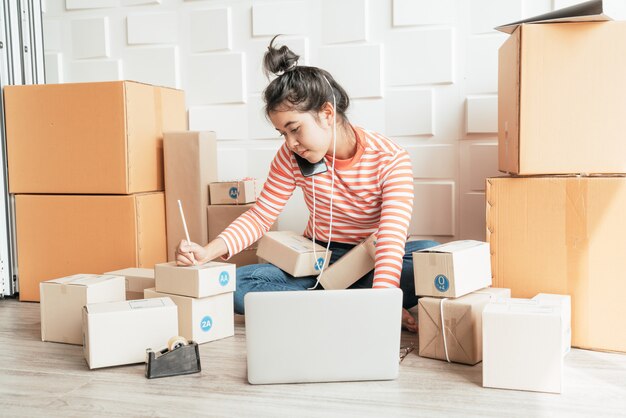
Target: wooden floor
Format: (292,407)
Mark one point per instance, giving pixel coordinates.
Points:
(49,379)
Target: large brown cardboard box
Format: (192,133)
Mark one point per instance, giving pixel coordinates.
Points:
(561,106)
(89,138)
(190,165)
(564,235)
(61,235)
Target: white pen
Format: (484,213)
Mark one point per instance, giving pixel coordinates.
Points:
(182,216)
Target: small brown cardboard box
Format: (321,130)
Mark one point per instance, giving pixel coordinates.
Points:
(60,235)
(232,192)
(202,319)
(219,217)
(137,279)
(244,258)
(552,121)
(89,138)
(462,318)
(355,264)
(63,299)
(292,253)
(453,269)
(117,333)
(197,281)
(190,164)
(563,235)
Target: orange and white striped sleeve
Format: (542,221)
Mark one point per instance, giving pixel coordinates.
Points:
(255,222)
(397,205)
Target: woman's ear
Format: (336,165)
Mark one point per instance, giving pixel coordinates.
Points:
(328,113)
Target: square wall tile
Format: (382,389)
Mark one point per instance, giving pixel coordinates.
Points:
(157,66)
(423,12)
(483,163)
(482,114)
(346,62)
(336,14)
(482,63)
(139,2)
(438,161)
(485,15)
(53,62)
(227,121)
(409,112)
(211,30)
(216,78)
(433,209)
(90,37)
(286,17)
(368,114)
(90,4)
(259,126)
(95,70)
(256,52)
(232,163)
(152,28)
(422,56)
(52,35)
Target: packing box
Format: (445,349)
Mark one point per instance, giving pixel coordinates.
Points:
(137,279)
(62,300)
(292,253)
(60,235)
(565,303)
(523,345)
(462,319)
(118,333)
(453,269)
(190,164)
(90,138)
(355,264)
(219,217)
(196,281)
(560,99)
(202,319)
(244,258)
(232,192)
(563,235)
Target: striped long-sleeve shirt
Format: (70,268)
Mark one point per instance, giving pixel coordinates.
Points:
(373,192)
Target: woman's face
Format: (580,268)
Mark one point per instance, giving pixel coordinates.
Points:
(305,135)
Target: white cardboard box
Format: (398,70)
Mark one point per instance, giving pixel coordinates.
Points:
(197,281)
(355,264)
(232,192)
(292,253)
(453,269)
(117,333)
(565,302)
(137,279)
(62,300)
(523,345)
(202,319)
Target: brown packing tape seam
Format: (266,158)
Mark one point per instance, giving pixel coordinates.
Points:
(138,231)
(577,251)
(491,222)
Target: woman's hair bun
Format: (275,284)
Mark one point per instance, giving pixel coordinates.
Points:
(278,60)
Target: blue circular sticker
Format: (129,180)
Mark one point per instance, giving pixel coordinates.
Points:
(319,263)
(224,278)
(233,193)
(441,283)
(206,324)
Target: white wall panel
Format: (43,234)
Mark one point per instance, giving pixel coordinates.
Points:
(433,209)
(256,78)
(483,163)
(260,158)
(228,121)
(482,63)
(487,14)
(211,30)
(335,18)
(482,114)
(295,214)
(286,17)
(216,78)
(433,161)
(152,28)
(368,114)
(259,125)
(139,2)
(53,62)
(409,112)
(153,65)
(95,70)
(422,56)
(89,4)
(232,162)
(90,37)
(532,8)
(346,62)
(423,12)
(52,35)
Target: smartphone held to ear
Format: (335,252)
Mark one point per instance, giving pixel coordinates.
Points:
(309,169)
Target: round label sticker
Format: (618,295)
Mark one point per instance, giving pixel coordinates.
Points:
(224,278)
(233,193)
(206,324)
(319,263)
(441,283)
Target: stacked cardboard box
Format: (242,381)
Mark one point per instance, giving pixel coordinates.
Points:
(88,176)
(560,111)
(204,296)
(293,253)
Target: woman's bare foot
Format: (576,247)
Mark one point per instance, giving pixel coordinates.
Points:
(408,321)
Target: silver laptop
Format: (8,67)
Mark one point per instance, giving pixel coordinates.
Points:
(323,335)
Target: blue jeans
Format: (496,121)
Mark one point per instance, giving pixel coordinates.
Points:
(267,277)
